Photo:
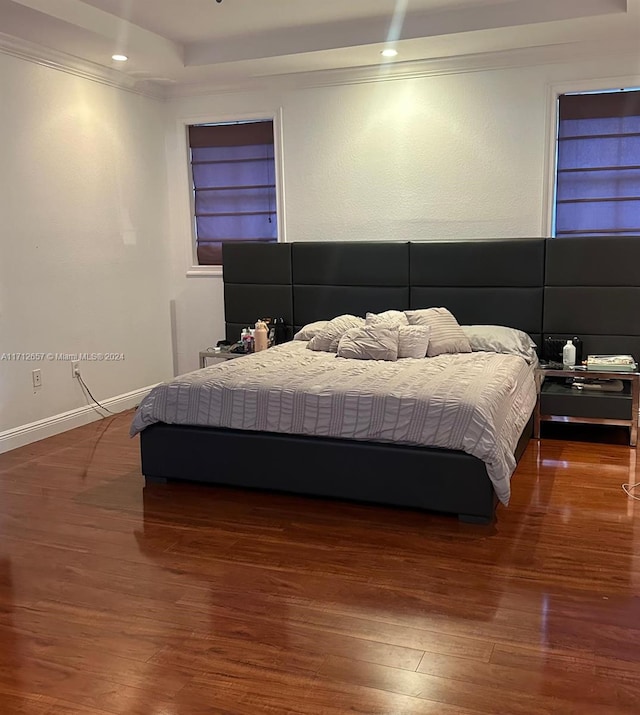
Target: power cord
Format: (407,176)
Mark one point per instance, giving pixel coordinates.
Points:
(88,391)
(628,488)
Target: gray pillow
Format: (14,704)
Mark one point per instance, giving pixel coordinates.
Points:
(500,339)
(413,341)
(327,340)
(446,334)
(371,342)
(310,330)
(390,318)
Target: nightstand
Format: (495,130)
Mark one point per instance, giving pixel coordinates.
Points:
(217,354)
(559,402)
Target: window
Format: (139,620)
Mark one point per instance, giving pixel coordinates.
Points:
(233,171)
(598,164)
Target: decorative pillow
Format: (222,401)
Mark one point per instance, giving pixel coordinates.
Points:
(413,341)
(371,342)
(390,318)
(310,330)
(327,339)
(446,334)
(500,339)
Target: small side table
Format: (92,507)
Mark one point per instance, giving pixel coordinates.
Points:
(217,354)
(632,377)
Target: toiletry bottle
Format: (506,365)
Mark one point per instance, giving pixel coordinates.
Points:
(568,355)
(261,336)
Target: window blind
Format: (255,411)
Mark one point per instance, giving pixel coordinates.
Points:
(233,170)
(598,164)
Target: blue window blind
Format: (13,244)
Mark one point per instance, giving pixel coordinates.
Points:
(598,169)
(233,171)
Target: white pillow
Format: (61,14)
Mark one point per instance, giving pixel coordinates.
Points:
(413,341)
(327,339)
(500,339)
(310,330)
(370,342)
(446,334)
(390,318)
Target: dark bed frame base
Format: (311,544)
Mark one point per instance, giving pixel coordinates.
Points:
(423,478)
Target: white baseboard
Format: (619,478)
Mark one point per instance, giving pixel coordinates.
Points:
(35,431)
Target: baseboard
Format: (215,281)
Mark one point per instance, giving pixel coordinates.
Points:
(35,431)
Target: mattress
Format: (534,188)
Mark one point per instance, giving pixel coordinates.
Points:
(475,402)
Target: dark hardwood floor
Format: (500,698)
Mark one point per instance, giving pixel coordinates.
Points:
(187,600)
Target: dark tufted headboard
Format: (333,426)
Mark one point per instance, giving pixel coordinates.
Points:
(490,281)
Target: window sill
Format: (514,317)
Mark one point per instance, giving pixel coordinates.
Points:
(204,271)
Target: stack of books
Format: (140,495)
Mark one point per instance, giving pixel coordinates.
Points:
(611,363)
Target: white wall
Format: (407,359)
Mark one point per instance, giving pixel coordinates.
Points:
(459,155)
(94,241)
(84,251)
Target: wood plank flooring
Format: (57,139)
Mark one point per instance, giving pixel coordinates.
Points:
(186,600)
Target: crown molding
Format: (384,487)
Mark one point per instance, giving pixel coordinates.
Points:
(63,62)
(459,64)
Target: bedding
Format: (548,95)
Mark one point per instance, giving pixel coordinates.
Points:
(327,339)
(371,342)
(478,402)
(500,339)
(446,334)
(311,330)
(413,341)
(390,318)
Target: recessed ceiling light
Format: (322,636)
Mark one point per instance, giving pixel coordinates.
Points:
(389,52)
(119,58)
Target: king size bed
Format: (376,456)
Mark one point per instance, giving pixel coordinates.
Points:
(443,433)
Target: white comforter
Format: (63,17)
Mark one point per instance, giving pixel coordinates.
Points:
(477,402)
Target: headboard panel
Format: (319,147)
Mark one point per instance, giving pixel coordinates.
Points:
(351,263)
(491,262)
(593,291)
(514,307)
(589,287)
(496,281)
(257,284)
(482,281)
(334,278)
(313,303)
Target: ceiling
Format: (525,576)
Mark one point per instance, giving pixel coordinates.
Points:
(192,43)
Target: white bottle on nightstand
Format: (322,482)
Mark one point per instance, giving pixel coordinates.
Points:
(569,355)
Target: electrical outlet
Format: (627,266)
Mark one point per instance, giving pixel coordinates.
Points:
(75,369)
(36,378)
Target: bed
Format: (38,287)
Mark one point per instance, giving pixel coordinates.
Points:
(482,282)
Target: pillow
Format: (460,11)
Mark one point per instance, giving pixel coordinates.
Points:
(390,318)
(328,338)
(500,339)
(446,335)
(370,342)
(310,330)
(413,341)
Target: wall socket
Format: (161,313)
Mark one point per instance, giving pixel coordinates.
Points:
(75,369)
(36,378)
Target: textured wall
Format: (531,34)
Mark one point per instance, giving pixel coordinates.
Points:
(84,255)
(460,155)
